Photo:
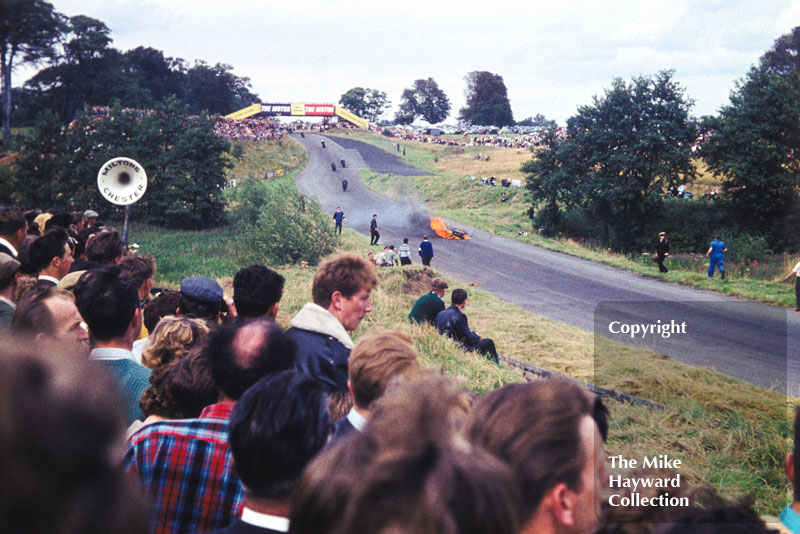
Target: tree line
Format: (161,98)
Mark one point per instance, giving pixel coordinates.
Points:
(605,177)
(80,67)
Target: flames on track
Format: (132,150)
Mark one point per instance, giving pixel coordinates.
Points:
(438,226)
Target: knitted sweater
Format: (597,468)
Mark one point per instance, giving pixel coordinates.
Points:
(132,379)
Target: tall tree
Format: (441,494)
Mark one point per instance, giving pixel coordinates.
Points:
(423,99)
(29,30)
(367,103)
(487,100)
(617,156)
(216,89)
(754,143)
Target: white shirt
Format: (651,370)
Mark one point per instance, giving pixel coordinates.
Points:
(11,247)
(110,353)
(356,419)
(796,269)
(49,278)
(272,522)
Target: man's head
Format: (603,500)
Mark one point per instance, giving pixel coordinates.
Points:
(46,313)
(257,292)
(424,238)
(438,286)
(662,236)
(374,215)
(51,254)
(201,297)
(8,274)
(459,298)
(338,208)
(91,217)
(105,248)
(166,303)
(13,226)
(276,428)
(546,431)
(342,286)
(378,359)
(142,269)
(109,303)
(241,353)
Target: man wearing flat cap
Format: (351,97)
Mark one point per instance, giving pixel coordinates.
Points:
(662,252)
(201,297)
(91,218)
(8,283)
(430,304)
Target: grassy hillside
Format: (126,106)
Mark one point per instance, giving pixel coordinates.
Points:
(480,206)
(729,434)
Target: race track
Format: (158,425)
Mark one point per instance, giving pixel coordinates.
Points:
(753,342)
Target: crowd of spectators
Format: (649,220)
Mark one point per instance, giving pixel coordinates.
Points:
(131,408)
(257,129)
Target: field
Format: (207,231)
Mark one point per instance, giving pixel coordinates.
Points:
(730,435)
(480,206)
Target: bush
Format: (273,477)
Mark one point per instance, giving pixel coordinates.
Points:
(748,248)
(279,225)
(387,132)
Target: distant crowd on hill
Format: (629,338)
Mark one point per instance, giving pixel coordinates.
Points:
(135,409)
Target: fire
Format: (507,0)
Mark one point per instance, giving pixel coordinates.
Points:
(438,226)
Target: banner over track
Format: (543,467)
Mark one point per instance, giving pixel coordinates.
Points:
(300,109)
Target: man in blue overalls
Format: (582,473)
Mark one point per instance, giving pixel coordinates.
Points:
(715,252)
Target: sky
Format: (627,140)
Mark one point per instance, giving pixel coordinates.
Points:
(553,56)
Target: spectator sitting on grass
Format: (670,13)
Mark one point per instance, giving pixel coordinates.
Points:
(428,306)
(453,322)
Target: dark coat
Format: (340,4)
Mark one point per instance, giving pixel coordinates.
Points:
(453,322)
(321,357)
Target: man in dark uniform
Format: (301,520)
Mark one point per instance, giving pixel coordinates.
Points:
(453,322)
(338,217)
(663,251)
(373,230)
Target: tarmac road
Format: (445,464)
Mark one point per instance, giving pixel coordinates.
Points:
(756,343)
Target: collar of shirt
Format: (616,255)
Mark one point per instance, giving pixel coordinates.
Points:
(49,278)
(9,302)
(790,518)
(356,419)
(10,247)
(272,522)
(220,410)
(110,353)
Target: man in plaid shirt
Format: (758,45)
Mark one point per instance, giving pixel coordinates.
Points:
(186,465)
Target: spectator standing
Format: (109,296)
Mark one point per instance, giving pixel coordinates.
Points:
(428,306)
(662,252)
(201,297)
(8,284)
(373,230)
(338,216)
(109,303)
(186,465)
(105,248)
(13,231)
(257,292)
(404,252)
(716,252)
(426,251)
(547,432)
(453,322)
(340,293)
(795,271)
(47,314)
(276,428)
(51,255)
(376,361)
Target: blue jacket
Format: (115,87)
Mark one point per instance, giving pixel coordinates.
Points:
(426,247)
(321,357)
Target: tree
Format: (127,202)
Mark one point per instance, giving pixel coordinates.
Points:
(182,155)
(487,100)
(538,121)
(754,143)
(616,158)
(423,99)
(87,71)
(216,89)
(28,31)
(366,103)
